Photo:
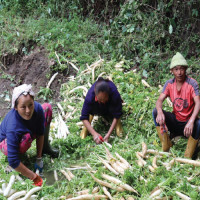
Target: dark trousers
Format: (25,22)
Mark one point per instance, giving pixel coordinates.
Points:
(176,127)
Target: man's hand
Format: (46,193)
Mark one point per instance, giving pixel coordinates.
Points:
(188,128)
(160,119)
(98,138)
(39,164)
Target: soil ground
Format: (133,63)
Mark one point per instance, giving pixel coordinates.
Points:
(34,69)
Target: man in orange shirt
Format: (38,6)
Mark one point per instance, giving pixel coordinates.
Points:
(184,94)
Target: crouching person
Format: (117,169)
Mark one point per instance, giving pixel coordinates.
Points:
(26,121)
(102,99)
(184,94)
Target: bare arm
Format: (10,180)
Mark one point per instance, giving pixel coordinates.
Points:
(160,119)
(25,171)
(114,122)
(92,131)
(190,124)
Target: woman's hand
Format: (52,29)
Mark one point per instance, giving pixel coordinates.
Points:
(37,181)
(106,138)
(98,138)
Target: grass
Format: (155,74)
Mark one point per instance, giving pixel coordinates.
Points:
(80,41)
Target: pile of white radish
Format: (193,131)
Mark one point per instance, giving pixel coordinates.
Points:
(12,194)
(117,165)
(141,156)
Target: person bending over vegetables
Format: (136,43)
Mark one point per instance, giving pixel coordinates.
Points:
(184,94)
(26,121)
(102,99)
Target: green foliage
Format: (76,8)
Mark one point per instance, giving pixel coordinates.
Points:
(45,93)
(149,33)
(145,35)
(37,8)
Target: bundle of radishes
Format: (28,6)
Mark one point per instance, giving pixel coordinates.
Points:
(12,194)
(116,165)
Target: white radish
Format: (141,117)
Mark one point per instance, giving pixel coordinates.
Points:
(139,163)
(12,191)
(143,179)
(144,149)
(17,195)
(156,193)
(119,64)
(70,174)
(8,188)
(152,151)
(101,74)
(20,180)
(79,87)
(103,183)
(108,166)
(123,160)
(188,161)
(89,196)
(54,172)
(122,165)
(73,65)
(34,197)
(183,196)
(141,155)
(95,190)
(107,193)
(108,144)
(52,79)
(4,185)
(55,175)
(145,83)
(118,182)
(83,192)
(196,187)
(117,168)
(151,168)
(32,191)
(140,159)
(154,162)
(130,198)
(171,163)
(66,175)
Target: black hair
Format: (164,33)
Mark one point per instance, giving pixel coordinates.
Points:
(102,86)
(17,100)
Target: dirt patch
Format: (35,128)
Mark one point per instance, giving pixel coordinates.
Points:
(35,69)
